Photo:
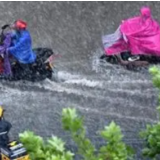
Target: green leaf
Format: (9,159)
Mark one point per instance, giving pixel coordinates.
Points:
(112,132)
(115,149)
(56,144)
(73,123)
(154,70)
(53,149)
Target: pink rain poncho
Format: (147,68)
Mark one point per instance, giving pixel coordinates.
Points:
(139,35)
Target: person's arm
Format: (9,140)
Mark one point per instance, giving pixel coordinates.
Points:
(16,46)
(7,40)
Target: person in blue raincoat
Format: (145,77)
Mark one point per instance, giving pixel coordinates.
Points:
(21,47)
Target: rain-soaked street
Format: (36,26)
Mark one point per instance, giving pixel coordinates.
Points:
(101,92)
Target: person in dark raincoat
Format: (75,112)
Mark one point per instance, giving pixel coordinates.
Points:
(5,127)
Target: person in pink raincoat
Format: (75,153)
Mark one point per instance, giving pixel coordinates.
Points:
(139,35)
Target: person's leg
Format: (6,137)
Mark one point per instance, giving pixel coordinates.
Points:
(25,71)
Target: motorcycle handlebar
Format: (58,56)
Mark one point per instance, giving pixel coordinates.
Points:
(5,26)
